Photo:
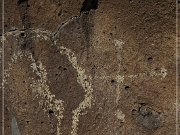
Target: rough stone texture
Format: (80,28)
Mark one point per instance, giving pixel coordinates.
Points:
(90,68)
(178,64)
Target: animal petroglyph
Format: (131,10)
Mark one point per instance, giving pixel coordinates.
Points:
(41,88)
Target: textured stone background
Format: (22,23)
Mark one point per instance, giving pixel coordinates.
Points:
(76,67)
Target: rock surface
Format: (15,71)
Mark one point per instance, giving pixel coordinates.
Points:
(90,67)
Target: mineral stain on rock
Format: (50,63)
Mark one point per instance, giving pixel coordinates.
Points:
(14,127)
(147,117)
(88,5)
(26,37)
(23,9)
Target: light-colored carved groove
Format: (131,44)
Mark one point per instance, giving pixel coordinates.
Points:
(120,78)
(85,82)
(39,33)
(119,46)
(40,87)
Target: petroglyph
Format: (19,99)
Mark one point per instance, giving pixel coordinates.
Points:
(85,82)
(44,34)
(82,79)
(119,43)
(40,86)
(120,80)
(3,39)
(153,73)
(163,73)
(120,115)
(119,46)
(120,77)
(14,59)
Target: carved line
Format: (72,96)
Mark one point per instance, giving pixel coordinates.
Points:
(40,86)
(83,80)
(119,46)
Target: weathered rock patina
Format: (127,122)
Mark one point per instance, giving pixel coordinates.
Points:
(93,67)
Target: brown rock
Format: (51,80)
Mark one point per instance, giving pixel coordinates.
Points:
(90,67)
